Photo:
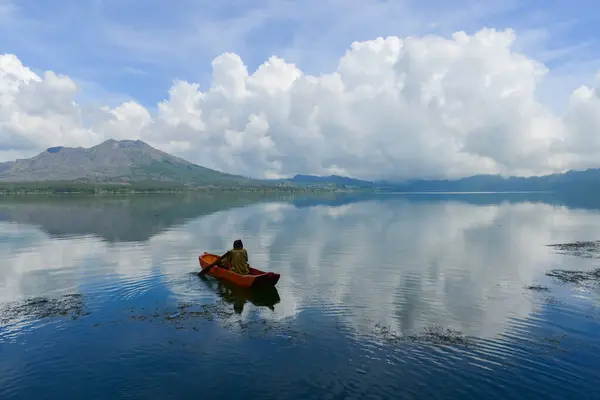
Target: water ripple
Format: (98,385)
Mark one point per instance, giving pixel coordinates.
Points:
(391,298)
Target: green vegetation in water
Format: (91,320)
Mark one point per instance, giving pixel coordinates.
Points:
(538,288)
(554,300)
(70,305)
(577,277)
(433,335)
(587,249)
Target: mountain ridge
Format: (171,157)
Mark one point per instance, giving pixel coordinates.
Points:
(114,161)
(129,162)
(571,179)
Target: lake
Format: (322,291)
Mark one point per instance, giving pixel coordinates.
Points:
(381,297)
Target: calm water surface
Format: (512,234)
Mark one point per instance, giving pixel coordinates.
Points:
(383,297)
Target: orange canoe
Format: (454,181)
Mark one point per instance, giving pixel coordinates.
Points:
(256,278)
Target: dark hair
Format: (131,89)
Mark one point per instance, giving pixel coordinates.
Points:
(237,244)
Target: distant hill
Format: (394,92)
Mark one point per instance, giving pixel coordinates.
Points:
(125,161)
(329,180)
(588,180)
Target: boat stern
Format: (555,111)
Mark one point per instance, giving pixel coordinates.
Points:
(268,279)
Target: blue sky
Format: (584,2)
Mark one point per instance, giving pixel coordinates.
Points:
(117,49)
(514,95)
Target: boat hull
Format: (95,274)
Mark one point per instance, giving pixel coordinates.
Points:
(256,278)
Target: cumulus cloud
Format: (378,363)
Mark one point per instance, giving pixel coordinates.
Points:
(414,107)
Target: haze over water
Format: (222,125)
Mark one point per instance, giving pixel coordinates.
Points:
(388,296)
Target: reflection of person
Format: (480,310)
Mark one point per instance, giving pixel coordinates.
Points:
(237,258)
(229,296)
(238,306)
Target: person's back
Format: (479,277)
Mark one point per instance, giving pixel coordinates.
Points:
(239,261)
(238,258)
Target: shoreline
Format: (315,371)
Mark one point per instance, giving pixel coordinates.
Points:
(59,188)
(78,190)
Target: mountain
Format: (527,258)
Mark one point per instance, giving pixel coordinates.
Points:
(136,162)
(588,180)
(125,161)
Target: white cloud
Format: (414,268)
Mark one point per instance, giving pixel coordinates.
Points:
(37,111)
(583,118)
(394,107)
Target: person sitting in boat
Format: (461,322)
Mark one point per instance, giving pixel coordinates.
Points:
(237,258)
